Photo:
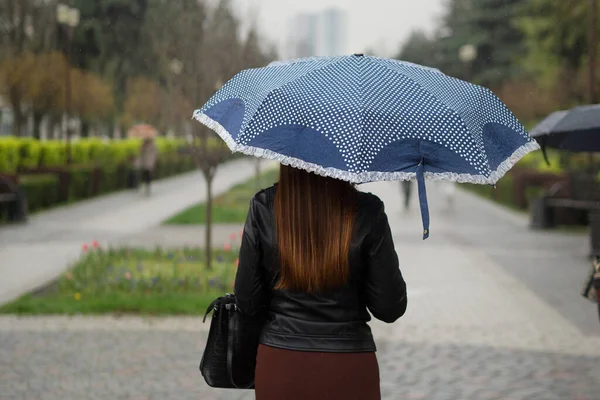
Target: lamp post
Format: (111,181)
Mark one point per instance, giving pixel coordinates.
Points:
(176,66)
(592,50)
(467,54)
(69,17)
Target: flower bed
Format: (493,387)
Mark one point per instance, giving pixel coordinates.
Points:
(134,281)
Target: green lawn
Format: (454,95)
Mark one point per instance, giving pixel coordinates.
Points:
(230,207)
(134,281)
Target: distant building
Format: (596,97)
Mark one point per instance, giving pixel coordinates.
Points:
(304,36)
(317,34)
(333,22)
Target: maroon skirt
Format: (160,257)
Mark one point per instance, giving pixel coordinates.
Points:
(287,374)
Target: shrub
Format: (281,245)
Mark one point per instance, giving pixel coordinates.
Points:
(41,190)
(111,178)
(112,158)
(9,155)
(53,153)
(503,193)
(80,183)
(100,152)
(30,152)
(81,152)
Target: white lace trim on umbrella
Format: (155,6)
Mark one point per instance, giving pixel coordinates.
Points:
(370,176)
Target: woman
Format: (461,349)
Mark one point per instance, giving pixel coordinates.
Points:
(147,162)
(315,255)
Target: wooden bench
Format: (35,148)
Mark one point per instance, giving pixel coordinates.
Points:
(8,197)
(571,203)
(8,190)
(542,214)
(12,200)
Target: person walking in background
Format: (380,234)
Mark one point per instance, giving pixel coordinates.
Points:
(146,162)
(316,254)
(406,190)
(449,189)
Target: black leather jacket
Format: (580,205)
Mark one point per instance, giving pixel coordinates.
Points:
(325,322)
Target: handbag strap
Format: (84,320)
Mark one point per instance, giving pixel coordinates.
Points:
(232,309)
(211,307)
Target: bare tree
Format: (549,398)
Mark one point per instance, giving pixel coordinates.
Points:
(26,26)
(207,48)
(252,57)
(218,59)
(14,22)
(209,152)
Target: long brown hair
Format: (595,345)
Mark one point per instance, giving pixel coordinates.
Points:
(315,218)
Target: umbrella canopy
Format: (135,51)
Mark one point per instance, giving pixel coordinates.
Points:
(142,131)
(363,119)
(577,129)
(547,124)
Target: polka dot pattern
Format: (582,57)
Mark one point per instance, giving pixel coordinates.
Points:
(363,104)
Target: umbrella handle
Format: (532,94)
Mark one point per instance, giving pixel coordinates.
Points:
(545,154)
(423,199)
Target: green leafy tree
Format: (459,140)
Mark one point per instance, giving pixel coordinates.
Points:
(556,37)
(486,24)
(109,41)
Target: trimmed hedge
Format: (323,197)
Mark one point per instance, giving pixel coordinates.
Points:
(41,190)
(503,193)
(80,183)
(9,155)
(97,166)
(23,154)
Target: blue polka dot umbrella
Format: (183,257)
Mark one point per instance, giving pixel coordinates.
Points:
(363,119)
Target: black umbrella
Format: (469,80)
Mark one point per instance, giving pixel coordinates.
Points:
(577,130)
(545,126)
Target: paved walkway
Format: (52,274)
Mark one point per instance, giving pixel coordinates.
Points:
(36,252)
(494,313)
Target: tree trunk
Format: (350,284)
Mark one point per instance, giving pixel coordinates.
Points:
(85,129)
(257,173)
(53,126)
(208,219)
(18,115)
(37,122)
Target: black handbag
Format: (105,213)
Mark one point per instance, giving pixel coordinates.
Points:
(229,359)
(591,289)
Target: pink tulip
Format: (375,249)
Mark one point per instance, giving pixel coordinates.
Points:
(95,244)
(237,262)
(227,247)
(232,236)
(127,275)
(85,247)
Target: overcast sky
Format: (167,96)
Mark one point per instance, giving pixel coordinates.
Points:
(380,25)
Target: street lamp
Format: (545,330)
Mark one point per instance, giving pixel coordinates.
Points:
(467,54)
(176,68)
(69,17)
(592,49)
